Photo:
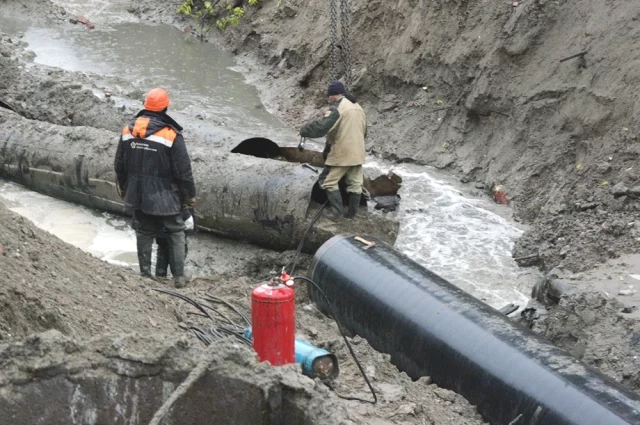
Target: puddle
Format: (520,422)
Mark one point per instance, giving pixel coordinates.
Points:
(106,236)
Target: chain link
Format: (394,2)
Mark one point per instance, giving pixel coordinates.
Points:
(345,25)
(334,38)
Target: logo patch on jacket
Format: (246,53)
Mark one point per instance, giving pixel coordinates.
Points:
(326,114)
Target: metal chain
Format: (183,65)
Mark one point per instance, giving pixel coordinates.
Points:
(345,25)
(334,38)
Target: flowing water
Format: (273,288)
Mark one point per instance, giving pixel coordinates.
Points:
(464,239)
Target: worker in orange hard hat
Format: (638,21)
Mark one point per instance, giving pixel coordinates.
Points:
(155,180)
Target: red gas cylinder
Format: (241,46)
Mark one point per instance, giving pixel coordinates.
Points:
(273,323)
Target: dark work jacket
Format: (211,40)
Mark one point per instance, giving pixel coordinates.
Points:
(152,165)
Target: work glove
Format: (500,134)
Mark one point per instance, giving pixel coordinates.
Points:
(188,224)
(189,221)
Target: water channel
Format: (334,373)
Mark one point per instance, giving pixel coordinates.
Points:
(465,239)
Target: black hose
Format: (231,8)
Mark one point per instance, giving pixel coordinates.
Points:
(304,236)
(213,298)
(184,298)
(346,341)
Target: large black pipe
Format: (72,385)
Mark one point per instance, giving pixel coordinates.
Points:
(242,194)
(432,328)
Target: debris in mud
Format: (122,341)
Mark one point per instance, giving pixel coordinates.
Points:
(499,196)
(84,21)
(628,291)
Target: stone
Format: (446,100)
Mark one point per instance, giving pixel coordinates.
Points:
(619,190)
(289,12)
(604,167)
(445,395)
(587,206)
(391,392)
(629,310)
(556,288)
(578,350)
(313,332)
(405,409)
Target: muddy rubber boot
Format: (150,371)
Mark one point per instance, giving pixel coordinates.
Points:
(145,245)
(180,281)
(162,258)
(335,210)
(176,258)
(354,204)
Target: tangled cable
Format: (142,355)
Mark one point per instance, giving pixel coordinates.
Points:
(218,330)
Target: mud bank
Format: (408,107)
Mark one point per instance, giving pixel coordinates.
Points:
(402,401)
(481,92)
(51,94)
(52,379)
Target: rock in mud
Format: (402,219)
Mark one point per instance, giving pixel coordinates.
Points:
(619,190)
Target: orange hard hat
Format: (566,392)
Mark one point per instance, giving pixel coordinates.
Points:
(157,100)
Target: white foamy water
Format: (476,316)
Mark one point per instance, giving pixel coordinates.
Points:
(455,236)
(108,237)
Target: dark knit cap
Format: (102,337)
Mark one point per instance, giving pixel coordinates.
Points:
(335,87)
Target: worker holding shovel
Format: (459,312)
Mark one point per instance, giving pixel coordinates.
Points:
(344,125)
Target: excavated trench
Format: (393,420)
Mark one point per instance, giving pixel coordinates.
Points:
(126,380)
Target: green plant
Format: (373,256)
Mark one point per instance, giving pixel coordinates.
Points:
(222,14)
(233,18)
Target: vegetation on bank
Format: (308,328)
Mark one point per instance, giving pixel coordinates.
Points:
(214,14)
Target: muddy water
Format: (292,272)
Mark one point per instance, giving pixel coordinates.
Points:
(466,240)
(106,236)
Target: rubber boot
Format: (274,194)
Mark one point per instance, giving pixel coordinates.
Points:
(145,245)
(162,259)
(176,258)
(354,203)
(335,210)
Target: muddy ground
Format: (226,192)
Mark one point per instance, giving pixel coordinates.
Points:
(50,285)
(569,171)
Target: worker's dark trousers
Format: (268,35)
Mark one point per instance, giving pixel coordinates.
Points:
(148,228)
(162,257)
